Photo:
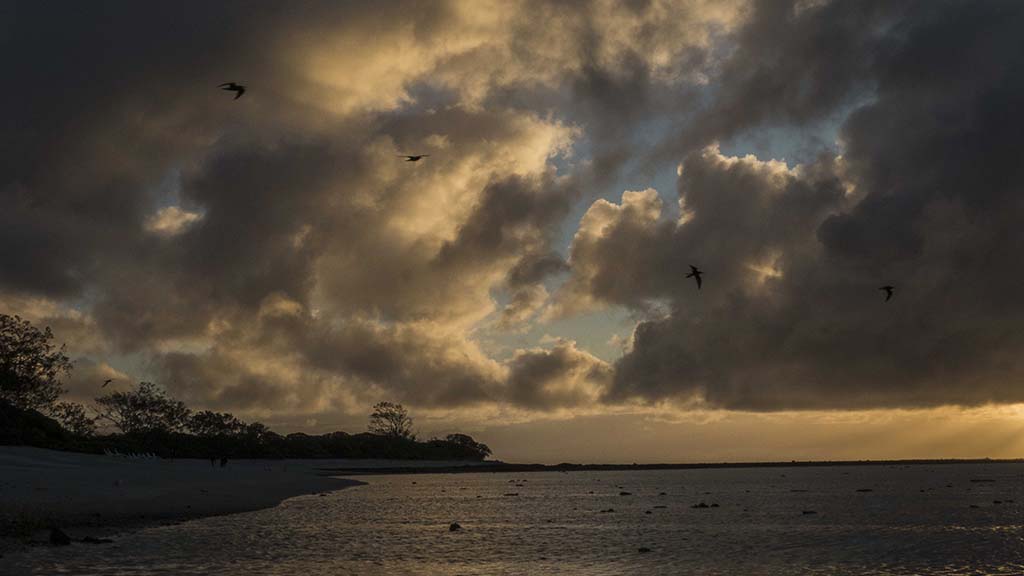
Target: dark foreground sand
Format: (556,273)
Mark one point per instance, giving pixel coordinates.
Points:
(92,495)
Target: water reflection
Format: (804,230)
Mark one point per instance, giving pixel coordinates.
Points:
(867,520)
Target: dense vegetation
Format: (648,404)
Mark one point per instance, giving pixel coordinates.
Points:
(147,420)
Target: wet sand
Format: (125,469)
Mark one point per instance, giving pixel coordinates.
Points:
(94,495)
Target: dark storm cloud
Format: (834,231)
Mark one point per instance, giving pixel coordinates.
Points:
(272,251)
(795,62)
(77,149)
(119,99)
(933,211)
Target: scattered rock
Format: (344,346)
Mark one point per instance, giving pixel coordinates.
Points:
(808,512)
(974,506)
(512,494)
(997,501)
(608,511)
(58,537)
(864,490)
(982,480)
(95,540)
(714,505)
(625,493)
(661,506)
(643,550)
(647,512)
(701,505)
(662,494)
(454,527)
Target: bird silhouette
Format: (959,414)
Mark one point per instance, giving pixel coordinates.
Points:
(107,381)
(414,157)
(238,89)
(695,274)
(888,292)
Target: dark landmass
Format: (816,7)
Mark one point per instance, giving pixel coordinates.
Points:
(495,467)
(20,427)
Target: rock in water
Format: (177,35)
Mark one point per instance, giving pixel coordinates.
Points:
(454,527)
(59,538)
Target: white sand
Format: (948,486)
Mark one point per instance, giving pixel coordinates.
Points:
(86,494)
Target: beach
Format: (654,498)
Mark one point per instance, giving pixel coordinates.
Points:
(97,495)
(949,519)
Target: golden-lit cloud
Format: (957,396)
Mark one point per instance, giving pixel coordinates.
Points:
(277,257)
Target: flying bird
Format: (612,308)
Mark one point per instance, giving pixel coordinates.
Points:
(695,274)
(238,89)
(888,292)
(105,382)
(414,157)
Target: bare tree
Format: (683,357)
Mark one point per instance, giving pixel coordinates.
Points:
(145,408)
(389,419)
(30,365)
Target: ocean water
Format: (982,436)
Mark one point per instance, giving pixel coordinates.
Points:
(934,519)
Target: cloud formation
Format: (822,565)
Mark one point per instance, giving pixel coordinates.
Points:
(790,318)
(274,256)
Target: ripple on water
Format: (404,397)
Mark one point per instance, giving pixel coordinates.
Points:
(915,520)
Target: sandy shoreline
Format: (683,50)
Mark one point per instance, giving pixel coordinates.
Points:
(92,495)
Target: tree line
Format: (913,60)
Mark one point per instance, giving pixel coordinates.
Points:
(147,419)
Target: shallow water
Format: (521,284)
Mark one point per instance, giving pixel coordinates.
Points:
(915,520)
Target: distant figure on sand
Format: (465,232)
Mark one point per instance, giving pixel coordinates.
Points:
(695,274)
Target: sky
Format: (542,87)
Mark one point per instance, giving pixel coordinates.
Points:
(275,257)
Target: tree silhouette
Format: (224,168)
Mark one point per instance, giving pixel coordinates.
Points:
(207,423)
(30,365)
(466,441)
(147,408)
(389,419)
(74,419)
